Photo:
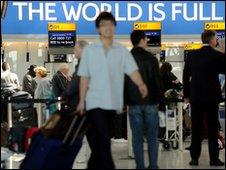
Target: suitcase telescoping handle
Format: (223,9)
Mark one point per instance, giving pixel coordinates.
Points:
(71,127)
(55,118)
(77,131)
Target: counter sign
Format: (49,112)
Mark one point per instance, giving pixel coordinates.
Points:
(147,26)
(62,34)
(215,26)
(152,31)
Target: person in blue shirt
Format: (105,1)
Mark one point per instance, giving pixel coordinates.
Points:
(101,70)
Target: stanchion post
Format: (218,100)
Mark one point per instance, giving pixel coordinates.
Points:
(39,112)
(129,137)
(59,103)
(9,111)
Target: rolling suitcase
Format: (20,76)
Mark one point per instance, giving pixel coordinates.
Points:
(16,139)
(25,118)
(21,95)
(21,120)
(4,134)
(48,150)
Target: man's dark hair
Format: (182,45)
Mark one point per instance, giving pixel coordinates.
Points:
(136,36)
(207,35)
(105,16)
(166,68)
(4,66)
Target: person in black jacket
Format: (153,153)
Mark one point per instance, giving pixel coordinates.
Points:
(60,80)
(170,81)
(202,89)
(28,79)
(143,112)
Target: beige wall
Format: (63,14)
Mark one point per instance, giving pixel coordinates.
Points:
(15,55)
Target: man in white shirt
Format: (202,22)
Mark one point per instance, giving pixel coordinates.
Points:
(102,68)
(8,77)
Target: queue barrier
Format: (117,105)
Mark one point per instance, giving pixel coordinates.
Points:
(39,102)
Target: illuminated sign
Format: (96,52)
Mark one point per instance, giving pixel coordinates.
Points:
(215,26)
(176,17)
(152,31)
(192,46)
(62,34)
(56,26)
(147,26)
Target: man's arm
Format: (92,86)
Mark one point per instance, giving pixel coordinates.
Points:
(186,78)
(83,87)
(137,79)
(84,73)
(16,80)
(131,69)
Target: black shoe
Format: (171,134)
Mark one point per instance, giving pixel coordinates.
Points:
(216,163)
(194,162)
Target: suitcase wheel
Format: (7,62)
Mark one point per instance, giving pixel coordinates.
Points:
(166,145)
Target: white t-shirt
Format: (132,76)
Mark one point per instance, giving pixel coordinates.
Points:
(10,78)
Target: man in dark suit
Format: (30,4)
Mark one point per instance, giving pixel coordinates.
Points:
(202,89)
(60,80)
(71,93)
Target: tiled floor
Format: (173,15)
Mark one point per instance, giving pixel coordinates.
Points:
(173,159)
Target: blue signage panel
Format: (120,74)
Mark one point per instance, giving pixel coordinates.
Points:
(177,17)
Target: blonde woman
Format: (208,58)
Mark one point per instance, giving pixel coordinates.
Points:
(43,83)
(43,89)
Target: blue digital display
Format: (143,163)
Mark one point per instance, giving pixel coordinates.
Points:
(154,38)
(220,34)
(64,39)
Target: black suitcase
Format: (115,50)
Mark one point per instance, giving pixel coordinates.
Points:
(17,139)
(21,95)
(56,147)
(25,118)
(4,134)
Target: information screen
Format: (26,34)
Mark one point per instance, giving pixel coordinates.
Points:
(220,34)
(162,55)
(154,38)
(63,39)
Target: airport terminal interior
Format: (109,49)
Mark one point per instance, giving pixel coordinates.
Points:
(26,40)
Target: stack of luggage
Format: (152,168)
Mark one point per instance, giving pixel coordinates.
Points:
(16,138)
(57,143)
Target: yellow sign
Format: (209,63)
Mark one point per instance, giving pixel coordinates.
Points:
(147,26)
(163,47)
(61,26)
(192,46)
(215,26)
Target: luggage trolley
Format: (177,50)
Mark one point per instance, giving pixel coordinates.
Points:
(172,128)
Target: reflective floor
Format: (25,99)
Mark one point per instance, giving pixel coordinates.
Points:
(173,159)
